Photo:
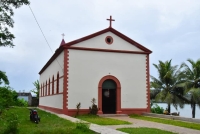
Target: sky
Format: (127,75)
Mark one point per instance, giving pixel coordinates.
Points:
(170,28)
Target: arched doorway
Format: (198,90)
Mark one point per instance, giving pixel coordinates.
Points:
(109,97)
(117,90)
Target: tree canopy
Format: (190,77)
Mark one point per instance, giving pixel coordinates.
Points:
(6,21)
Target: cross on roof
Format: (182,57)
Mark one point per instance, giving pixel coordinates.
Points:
(63,35)
(111,21)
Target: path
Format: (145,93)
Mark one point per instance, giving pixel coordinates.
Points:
(142,123)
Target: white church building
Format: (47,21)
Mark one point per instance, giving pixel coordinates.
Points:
(107,66)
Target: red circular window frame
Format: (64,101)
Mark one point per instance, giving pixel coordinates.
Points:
(110,41)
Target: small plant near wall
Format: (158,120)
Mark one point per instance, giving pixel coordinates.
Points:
(93,108)
(78,106)
(157,109)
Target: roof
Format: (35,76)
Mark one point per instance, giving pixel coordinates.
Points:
(69,45)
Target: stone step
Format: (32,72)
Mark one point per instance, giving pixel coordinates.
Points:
(112,115)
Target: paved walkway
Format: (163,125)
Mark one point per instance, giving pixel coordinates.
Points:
(136,123)
(142,123)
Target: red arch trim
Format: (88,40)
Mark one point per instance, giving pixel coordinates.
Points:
(118,105)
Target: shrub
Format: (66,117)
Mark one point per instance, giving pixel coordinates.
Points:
(21,102)
(157,109)
(93,109)
(11,124)
(78,106)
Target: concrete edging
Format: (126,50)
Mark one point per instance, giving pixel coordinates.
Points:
(172,117)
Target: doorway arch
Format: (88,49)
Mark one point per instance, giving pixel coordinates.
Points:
(118,93)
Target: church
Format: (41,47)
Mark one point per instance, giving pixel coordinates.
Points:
(107,66)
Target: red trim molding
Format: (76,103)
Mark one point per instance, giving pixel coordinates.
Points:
(104,50)
(72,112)
(52,109)
(147,83)
(65,81)
(118,105)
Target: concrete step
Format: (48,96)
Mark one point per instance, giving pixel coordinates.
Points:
(112,115)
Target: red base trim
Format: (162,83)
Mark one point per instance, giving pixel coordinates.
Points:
(52,109)
(72,112)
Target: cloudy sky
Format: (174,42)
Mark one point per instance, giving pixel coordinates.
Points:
(170,28)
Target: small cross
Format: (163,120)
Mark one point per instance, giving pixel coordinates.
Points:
(111,21)
(63,35)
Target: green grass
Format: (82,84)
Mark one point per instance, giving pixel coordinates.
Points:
(102,121)
(144,130)
(168,121)
(50,123)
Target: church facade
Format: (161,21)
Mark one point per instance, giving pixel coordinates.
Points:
(107,66)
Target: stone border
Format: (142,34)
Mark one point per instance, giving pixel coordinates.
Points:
(172,117)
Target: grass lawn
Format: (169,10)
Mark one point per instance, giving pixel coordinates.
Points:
(168,121)
(50,123)
(144,130)
(101,121)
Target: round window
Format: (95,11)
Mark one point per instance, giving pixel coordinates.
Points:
(109,40)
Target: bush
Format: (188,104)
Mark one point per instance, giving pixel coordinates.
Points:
(157,109)
(21,102)
(93,109)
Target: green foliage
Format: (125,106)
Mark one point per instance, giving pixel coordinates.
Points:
(3,78)
(157,109)
(78,106)
(6,13)
(93,109)
(11,123)
(37,88)
(167,121)
(144,130)
(83,126)
(21,102)
(7,97)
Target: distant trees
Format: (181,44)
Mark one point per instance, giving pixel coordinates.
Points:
(37,88)
(175,85)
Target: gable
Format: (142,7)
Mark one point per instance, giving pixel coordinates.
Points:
(100,42)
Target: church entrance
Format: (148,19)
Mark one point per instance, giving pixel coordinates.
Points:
(109,97)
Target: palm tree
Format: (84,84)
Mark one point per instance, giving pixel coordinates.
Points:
(167,81)
(191,76)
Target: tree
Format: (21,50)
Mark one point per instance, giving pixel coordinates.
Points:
(167,81)
(3,78)
(6,21)
(191,77)
(37,88)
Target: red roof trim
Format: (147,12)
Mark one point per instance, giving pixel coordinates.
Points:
(110,29)
(57,52)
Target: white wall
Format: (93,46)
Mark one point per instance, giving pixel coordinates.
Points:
(55,101)
(99,42)
(86,68)
(51,70)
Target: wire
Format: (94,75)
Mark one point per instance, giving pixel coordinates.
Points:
(43,34)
